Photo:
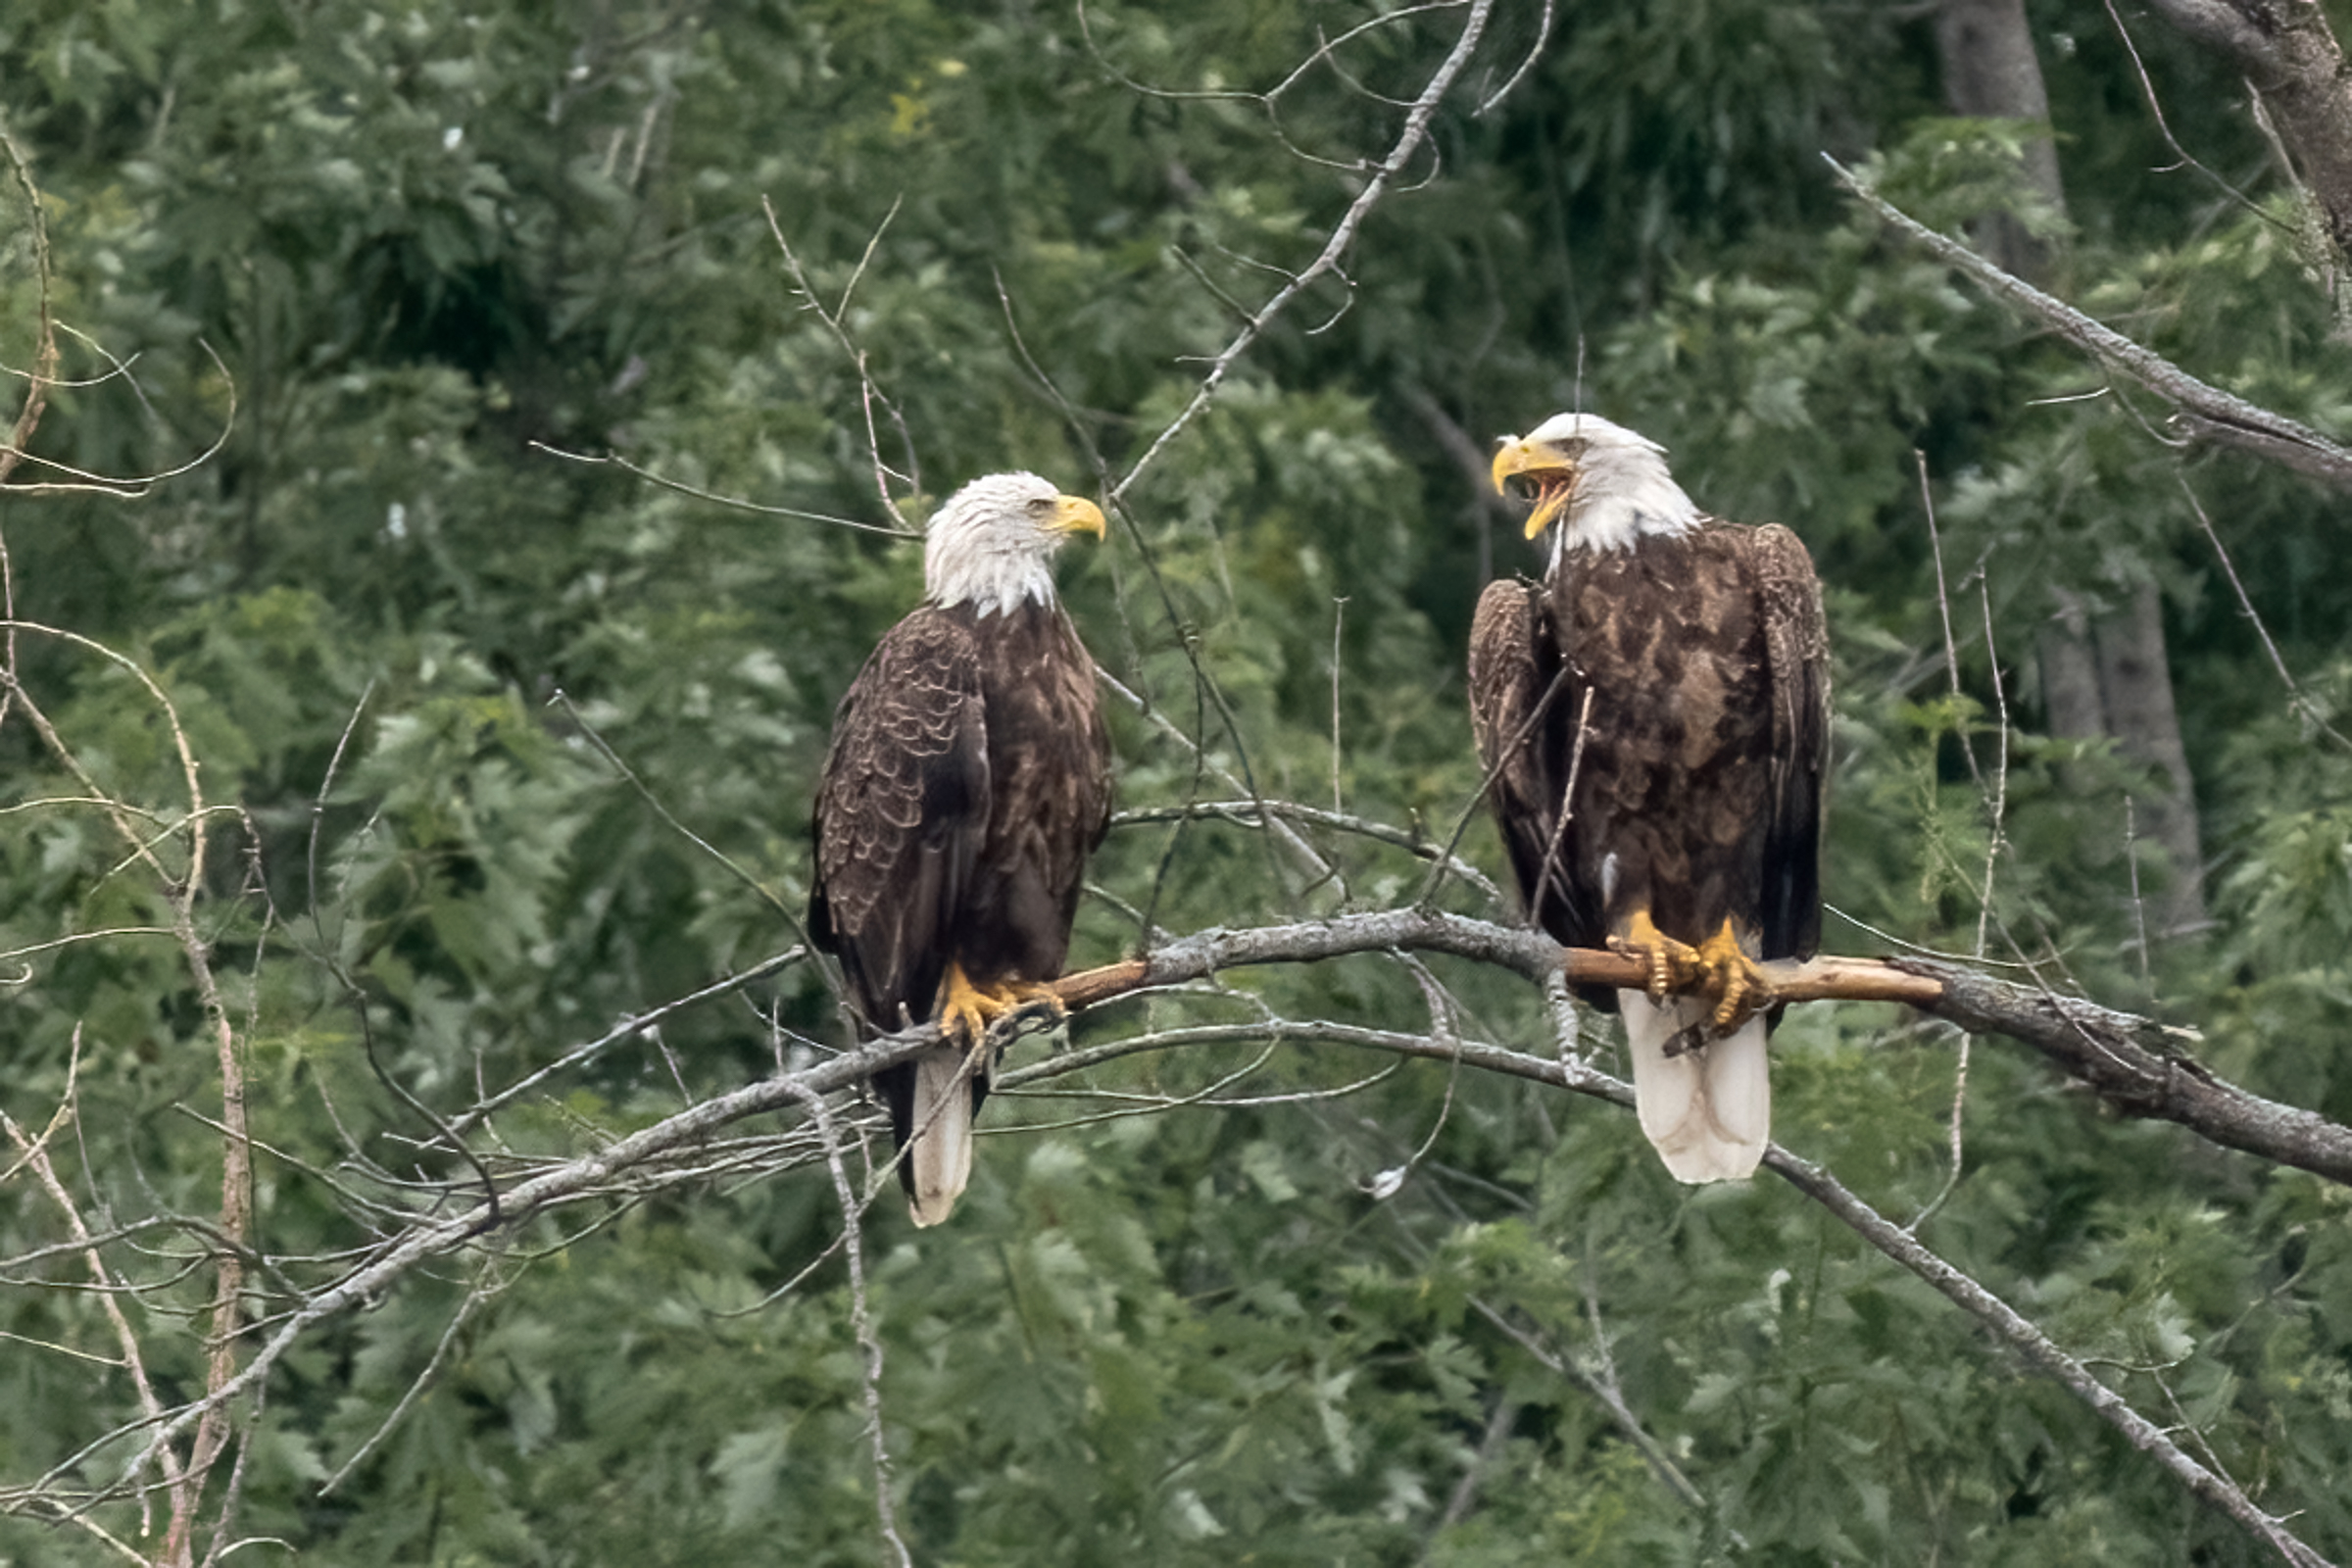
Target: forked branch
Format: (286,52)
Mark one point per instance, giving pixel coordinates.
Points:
(2132,1062)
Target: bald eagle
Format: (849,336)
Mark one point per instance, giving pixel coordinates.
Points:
(1653,718)
(967,782)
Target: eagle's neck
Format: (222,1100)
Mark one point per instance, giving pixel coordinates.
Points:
(1623,495)
(965,571)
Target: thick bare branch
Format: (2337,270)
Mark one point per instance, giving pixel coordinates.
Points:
(2290,57)
(2139,1067)
(2205,412)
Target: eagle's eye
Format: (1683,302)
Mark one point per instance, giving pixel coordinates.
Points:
(1042,505)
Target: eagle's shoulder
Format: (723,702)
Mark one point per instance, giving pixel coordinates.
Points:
(1787,583)
(1505,680)
(908,758)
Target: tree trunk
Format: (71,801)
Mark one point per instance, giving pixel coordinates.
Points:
(2290,57)
(1991,73)
(2108,679)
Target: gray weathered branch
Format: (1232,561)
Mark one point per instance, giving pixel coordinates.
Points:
(2207,1485)
(2205,412)
(2290,57)
(2138,1065)
(2132,1062)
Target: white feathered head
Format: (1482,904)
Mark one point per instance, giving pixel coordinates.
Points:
(1603,484)
(992,544)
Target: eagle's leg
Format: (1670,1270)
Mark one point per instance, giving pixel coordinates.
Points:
(1735,981)
(969,1011)
(1670,966)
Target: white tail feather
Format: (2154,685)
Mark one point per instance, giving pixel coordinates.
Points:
(1708,1111)
(941,1150)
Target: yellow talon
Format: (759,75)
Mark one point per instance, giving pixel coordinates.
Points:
(971,1010)
(1671,965)
(1737,981)
(1718,969)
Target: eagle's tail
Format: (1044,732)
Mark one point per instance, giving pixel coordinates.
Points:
(1707,1112)
(938,1161)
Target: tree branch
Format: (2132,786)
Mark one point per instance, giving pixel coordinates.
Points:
(2138,1065)
(2208,1486)
(2205,412)
(1342,235)
(2290,57)
(2132,1062)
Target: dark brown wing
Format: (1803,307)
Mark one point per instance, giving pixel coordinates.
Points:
(901,813)
(1049,767)
(1517,702)
(1796,643)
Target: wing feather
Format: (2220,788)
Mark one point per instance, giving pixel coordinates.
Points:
(1514,674)
(1796,643)
(901,807)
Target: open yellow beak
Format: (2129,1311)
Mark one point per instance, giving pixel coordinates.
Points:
(1553,476)
(1077,515)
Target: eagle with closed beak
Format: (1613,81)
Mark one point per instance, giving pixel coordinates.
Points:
(1653,720)
(967,782)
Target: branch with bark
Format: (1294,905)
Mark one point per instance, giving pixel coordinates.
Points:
(2202,411)
(2132,1063)
(2294,66)
(2139,1067)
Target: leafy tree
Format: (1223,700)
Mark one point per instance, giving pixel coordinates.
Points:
(481,445)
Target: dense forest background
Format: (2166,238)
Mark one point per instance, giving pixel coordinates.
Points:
(464,452)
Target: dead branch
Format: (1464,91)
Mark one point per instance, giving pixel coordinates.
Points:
(43,374)
(910,474)
(1254,815)
(735,503)
(2209,1487)
(2138,1065)
(1342,234)
(2132,1062)
(2202,411)
(2290,59)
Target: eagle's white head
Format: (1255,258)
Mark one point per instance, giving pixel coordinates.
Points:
(992,544)
(1603,484)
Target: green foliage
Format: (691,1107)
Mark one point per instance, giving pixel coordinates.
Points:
(501,747)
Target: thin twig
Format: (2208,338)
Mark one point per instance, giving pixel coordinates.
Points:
(736,503)
(2246,604)
(1996,809)
(853,1210)
(1339,619)
(1247,813)
(2147,89)
(1342,235)
(870,395)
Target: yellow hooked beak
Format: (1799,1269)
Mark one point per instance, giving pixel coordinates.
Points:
(1552,475)
(1077,515)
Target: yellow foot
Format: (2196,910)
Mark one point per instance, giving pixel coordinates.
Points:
(1670,966)
(1735,980)
(969,1011)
